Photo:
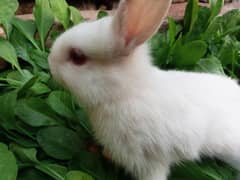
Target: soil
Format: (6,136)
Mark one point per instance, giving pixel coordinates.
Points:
(27,5)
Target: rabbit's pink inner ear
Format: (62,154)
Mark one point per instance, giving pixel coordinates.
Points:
(138,20)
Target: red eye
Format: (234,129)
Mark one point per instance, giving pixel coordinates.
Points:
(77,56)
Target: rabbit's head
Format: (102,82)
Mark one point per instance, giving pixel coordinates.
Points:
(93,59)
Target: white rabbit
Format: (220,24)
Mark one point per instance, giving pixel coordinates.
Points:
(146,118)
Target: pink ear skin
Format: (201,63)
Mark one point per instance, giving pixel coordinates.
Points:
(137,20)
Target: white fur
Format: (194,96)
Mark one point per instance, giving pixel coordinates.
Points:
(147,118)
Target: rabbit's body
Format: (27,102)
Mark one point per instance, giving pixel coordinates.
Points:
(165,117)
(146,118)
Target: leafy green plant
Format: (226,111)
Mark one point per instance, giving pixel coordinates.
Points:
(45,135)
(203,42)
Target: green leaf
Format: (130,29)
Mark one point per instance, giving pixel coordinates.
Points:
(44,19)
(26,155)
(26,86)
(227,53)
(44,76)
(215,7)
(61,102)
(61,11)
(212,173)
(191,14)
(19,139)
(59,142)
(8,103)
(200,25)
(27,28)
(207,169)
(84,121)
(7,26)
(189,171)
(225,25)
(25,130)
(39,57)
(75,15)
(54,170)
(21,45)
(32,174)
(188,54)
(78,175)
(210,65)
(40,89)
(160,49)
(35,112)
(14,78)
(8,164)
(171,30)
(102,14)
(8,53)
(7,9)
(91,164)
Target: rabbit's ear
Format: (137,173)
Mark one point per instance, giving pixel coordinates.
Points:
(137,20)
